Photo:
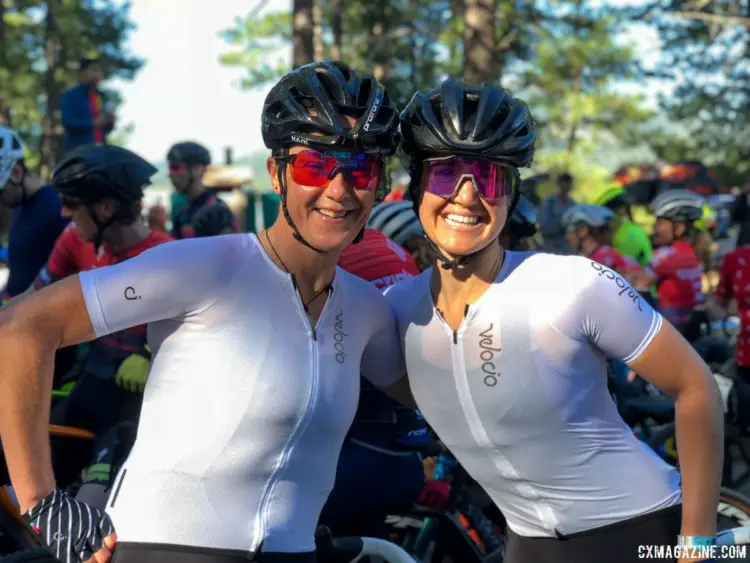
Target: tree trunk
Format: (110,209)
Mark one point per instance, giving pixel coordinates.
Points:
(302,21)
(318,45)
(49,145)
(479,41)
(378,69)
(457,9)
(338,36)
(4,109)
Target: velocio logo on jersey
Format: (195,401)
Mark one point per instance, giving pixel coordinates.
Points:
(487,355)
(625,288)
(339,336)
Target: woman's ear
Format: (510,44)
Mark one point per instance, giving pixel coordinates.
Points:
(272,165)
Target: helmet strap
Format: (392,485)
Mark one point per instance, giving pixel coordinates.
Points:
(285,210)
(451,263)
(102,226)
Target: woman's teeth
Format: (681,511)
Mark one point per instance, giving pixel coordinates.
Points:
(334,214)
(460,220)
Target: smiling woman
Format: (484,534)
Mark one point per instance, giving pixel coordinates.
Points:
(506,355)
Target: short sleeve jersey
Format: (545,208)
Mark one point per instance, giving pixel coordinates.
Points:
(72,255)
(609,257)
(519,392)
(247,405)
(182,222)
(678,281)
(734,283)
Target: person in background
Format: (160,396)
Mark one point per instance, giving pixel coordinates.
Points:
(213,220)
(379,469)
(187,165)
(674,267)
(629,238)
(158,217)
(85,116)
(733,275)
(400,181)
(398,221)
(741,215)
(36,222)
(550,216)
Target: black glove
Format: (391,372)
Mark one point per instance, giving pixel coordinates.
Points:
(71,530)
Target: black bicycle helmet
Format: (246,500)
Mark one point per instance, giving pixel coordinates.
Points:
(522,223)
(397,221)
(92,173)
(212,220)
(309,107)
(476,121)
(189,152)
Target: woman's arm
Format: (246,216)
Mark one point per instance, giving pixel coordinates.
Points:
(150,287)
(672,365)
(30,333)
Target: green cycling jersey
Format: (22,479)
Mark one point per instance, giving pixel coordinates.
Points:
(631,240)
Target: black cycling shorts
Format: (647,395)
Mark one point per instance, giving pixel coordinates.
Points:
(128,552)
(622,542)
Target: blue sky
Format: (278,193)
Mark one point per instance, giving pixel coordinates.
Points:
(184,93)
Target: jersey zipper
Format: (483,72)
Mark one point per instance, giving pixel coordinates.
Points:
(261,516)
(476,427)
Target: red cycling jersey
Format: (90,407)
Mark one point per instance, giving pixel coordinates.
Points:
(72,255)
(609,257)
(379,260)
(734,283)
(678,276)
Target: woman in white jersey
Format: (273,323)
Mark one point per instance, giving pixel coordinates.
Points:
(506,354)
(258,344)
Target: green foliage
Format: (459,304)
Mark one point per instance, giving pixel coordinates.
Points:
(571,86)
(705,60)
(30,42)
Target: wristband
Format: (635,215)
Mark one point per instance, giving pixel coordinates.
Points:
(696,541)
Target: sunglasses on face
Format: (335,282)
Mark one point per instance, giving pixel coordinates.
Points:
(317,169)
(446,174)
(176,167)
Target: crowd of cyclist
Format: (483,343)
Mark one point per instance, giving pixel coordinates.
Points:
(97,222)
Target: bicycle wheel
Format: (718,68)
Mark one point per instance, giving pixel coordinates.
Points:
(734,510)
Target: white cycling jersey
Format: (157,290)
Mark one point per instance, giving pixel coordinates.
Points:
(246,406)
(519,393)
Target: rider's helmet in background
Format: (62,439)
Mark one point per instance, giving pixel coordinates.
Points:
(398,222)
(594,216)
(310,105)
(189,152)
(11,152)
(678,205)
(455,119)
(93,173)
(212,220)
(612,195)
